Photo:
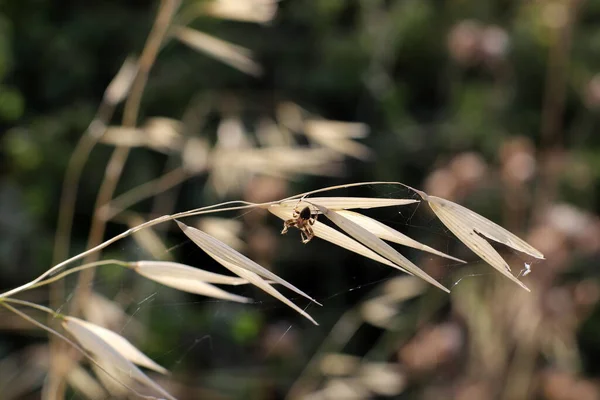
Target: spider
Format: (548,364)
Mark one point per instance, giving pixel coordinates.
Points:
(303,220)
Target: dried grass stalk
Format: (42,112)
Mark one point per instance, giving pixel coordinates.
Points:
(345,203)
(236,56)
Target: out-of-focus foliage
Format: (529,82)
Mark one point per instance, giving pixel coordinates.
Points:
(491,104)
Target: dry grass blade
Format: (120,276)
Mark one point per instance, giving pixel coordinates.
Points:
(183,278)
(344,203)
(124,136)
(182,271)
(480,225)
(290,160)
(164,134)
(336,237)
(383,379)
(228,53)
(260,283)
(121,83)
(260,11)
(377,245)
(219,249)
(122,346)
(195,155)
(338,136)
(107,354)
(383,231)
(281,162)
(336,129)
(463,230)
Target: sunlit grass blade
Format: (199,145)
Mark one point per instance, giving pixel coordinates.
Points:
(260,283)
(228,53)
(336,129)
(260,11)
(124,136)
(344,203)
(336,237)
(377,245)
(188,279)
(221,250)
(105,353)
(122,346)
(383,231)
(182,271)
(119,87)
(338,136)
(464,231)
(481,225)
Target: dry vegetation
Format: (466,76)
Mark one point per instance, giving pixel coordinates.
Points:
(509,331)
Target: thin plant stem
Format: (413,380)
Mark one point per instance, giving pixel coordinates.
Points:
(55,384)
(143,191)
(119,157)
(349,185)
(77,269)
(123,235)
(194,212)
(45,309)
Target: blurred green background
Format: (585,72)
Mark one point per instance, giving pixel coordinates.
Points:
(492,104)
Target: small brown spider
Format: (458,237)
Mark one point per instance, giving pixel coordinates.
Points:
(303,220)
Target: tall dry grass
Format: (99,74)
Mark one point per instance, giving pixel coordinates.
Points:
(80,346)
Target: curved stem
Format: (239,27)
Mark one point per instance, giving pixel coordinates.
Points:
(77,269)
(198,211)
(33,305)
(327,189)
(117,161)
(123,235)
